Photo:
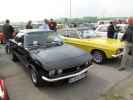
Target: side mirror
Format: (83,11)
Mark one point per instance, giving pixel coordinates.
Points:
(20,44)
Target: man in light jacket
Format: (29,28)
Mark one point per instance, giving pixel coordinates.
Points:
(45,25)
(128,38)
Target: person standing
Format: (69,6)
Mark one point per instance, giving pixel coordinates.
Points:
(29,25)
(128,38)
(8,31)
(111,31)
(52,25)
(45,25)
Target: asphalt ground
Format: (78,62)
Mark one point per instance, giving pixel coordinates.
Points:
(99,79)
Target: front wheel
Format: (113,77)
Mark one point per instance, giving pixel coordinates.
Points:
(98,57)
(36,79)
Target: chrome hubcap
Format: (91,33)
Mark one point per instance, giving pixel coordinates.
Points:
(97,57)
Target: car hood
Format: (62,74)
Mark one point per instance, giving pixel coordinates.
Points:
(103,43)
(64,56)
(109,43)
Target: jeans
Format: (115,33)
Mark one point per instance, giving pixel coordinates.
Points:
(128,55)
(7,46)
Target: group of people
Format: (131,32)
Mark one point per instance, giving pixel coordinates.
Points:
(47,25)
(9,32)
(112,30)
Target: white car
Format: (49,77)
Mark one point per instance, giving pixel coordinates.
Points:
(101,30)
(78,33)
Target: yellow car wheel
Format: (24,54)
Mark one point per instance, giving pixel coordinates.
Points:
(98,56)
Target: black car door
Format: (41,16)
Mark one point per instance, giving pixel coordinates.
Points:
(22,53)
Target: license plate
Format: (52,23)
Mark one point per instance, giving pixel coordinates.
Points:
(76,78)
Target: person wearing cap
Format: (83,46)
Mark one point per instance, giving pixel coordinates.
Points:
(128,50)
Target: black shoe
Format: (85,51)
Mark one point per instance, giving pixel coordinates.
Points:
(121,69)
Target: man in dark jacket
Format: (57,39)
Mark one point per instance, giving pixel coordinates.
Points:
(29,25)
(128,38)
(111,30)
(8,30)
(8,33)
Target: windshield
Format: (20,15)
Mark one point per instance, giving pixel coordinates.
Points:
(42,39)
(80,33)
(87,34)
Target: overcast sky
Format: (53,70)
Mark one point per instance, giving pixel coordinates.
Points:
(20,10)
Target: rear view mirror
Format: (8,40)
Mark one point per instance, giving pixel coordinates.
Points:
(19,44)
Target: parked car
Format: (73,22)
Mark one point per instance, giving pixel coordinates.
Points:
(101,30)
(100,48)
(48,58)
(80,33)
(3,91)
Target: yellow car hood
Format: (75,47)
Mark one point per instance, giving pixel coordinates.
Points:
(104,42)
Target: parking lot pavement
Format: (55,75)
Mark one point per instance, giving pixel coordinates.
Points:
(20,87)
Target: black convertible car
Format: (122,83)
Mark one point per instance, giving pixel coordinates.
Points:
(48,58)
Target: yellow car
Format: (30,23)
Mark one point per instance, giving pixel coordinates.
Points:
(100,48)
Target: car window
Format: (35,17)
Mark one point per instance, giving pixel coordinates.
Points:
(41,38)
(71,33)
(66,34)
(74,35)
(88,34)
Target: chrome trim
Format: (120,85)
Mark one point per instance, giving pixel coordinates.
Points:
(117,55)
(65,77)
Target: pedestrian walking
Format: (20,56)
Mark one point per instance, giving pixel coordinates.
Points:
(8,31)
(128,38)
(29,25)
(45,25)
(111,31)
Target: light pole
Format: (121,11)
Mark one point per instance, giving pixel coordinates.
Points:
(70,9)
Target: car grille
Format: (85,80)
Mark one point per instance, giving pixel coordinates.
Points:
(71,70)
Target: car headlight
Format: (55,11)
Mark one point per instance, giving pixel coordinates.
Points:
(59,71)
(88,63)
(52,72)
(120,50)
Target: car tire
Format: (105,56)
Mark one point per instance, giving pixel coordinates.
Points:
(98,57)
(36,78)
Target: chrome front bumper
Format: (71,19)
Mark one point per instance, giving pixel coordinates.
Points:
(118,55)
(66,77)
